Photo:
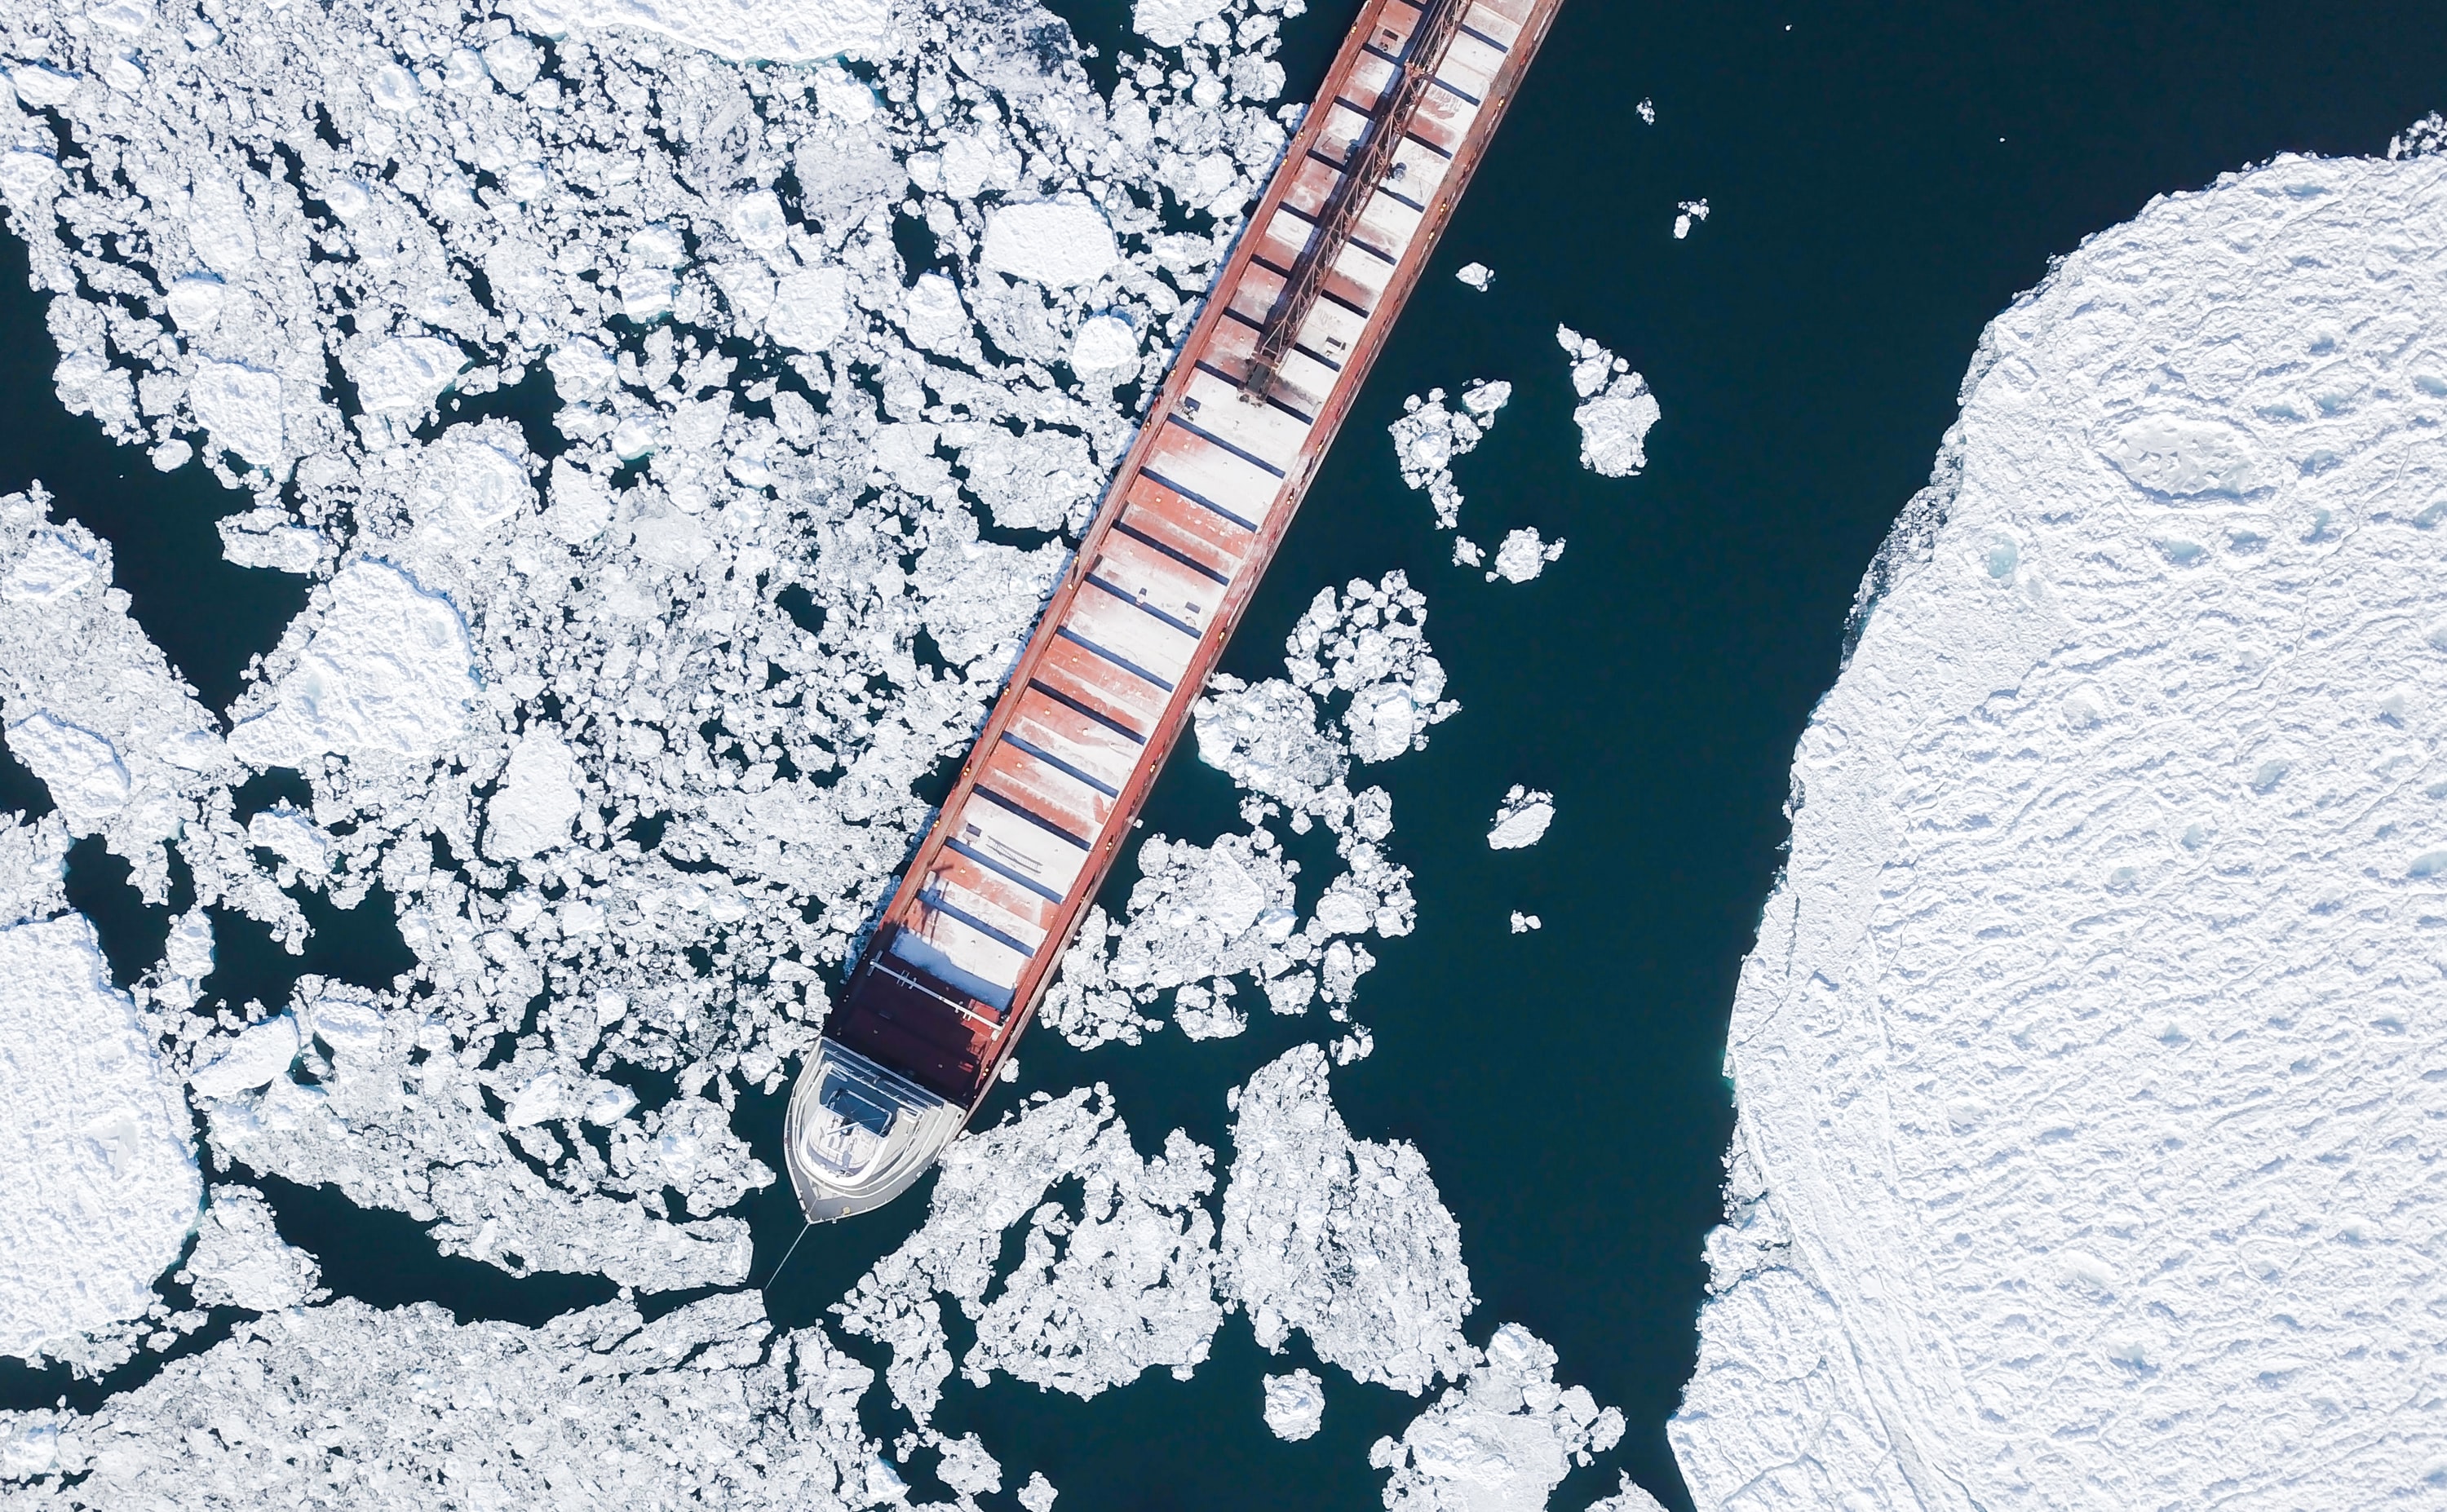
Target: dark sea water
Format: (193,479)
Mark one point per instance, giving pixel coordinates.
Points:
(1882,181)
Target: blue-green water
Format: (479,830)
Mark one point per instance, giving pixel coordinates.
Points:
(1882,181)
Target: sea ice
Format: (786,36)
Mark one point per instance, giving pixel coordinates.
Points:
(85,775)
(538,800)
(1341,1239)
(1500,1439)
(747,30)
(102,1188)
(1688,214)
(1294,1404)
(241,1261)
(2087,1059)
(1477,275)
(1523,556)
(1521,819)
(707,1406)
(1615,410)
(1523,923)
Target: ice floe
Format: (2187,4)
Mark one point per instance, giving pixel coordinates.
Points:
(102,1187)
(1688,214)
(1502,1438)
(1521,819)
(1522,557)
(241,1261)
(1615,412)
(1344,1240)
(2086,1061)
(1295,1406)
(1477,275)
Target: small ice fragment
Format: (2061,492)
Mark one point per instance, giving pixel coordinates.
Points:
(1294,1404)
(1523,923)
(1648,109)
(264,537)
(53,567)
(1691,212)
(1059,243)
(1038,1494)
(290,834)
(1468,553)
(1478,274)
(810,309)
(1522,820)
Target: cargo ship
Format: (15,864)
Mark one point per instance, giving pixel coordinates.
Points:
(954,969)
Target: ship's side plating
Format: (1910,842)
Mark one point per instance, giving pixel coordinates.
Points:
(957,963)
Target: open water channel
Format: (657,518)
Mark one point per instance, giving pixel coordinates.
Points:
(1882,180)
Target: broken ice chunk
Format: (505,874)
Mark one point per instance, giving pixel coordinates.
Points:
(1688,214)
(1104,344)
(1294,1404)
(1478,274)
(401,378)
(1170,23)
(538,800)
(1344,1240)
(1522,820)
(264,537)
(1617,410)
(810,309)
(194,302)
(757,221)
(1523,555)
(783,31)
(83,771)
(932,314)
(1523,923)
(290,834)
(1505,1437)
(388,670)
(252,1058)
(241,407)
(1059,243)
(241,1261)
(51,567)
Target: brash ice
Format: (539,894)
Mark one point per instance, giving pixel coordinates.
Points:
(967,945)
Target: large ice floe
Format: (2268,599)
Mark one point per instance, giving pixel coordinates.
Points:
(2088,1063)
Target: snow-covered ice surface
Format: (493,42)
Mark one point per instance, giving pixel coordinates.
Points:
(1477,275)
(1521,819)
(102,1188)
(1295,1407)
(1344,1240)
(1615,410)
(2088,1059)
(1501,1440)
(1688,214)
